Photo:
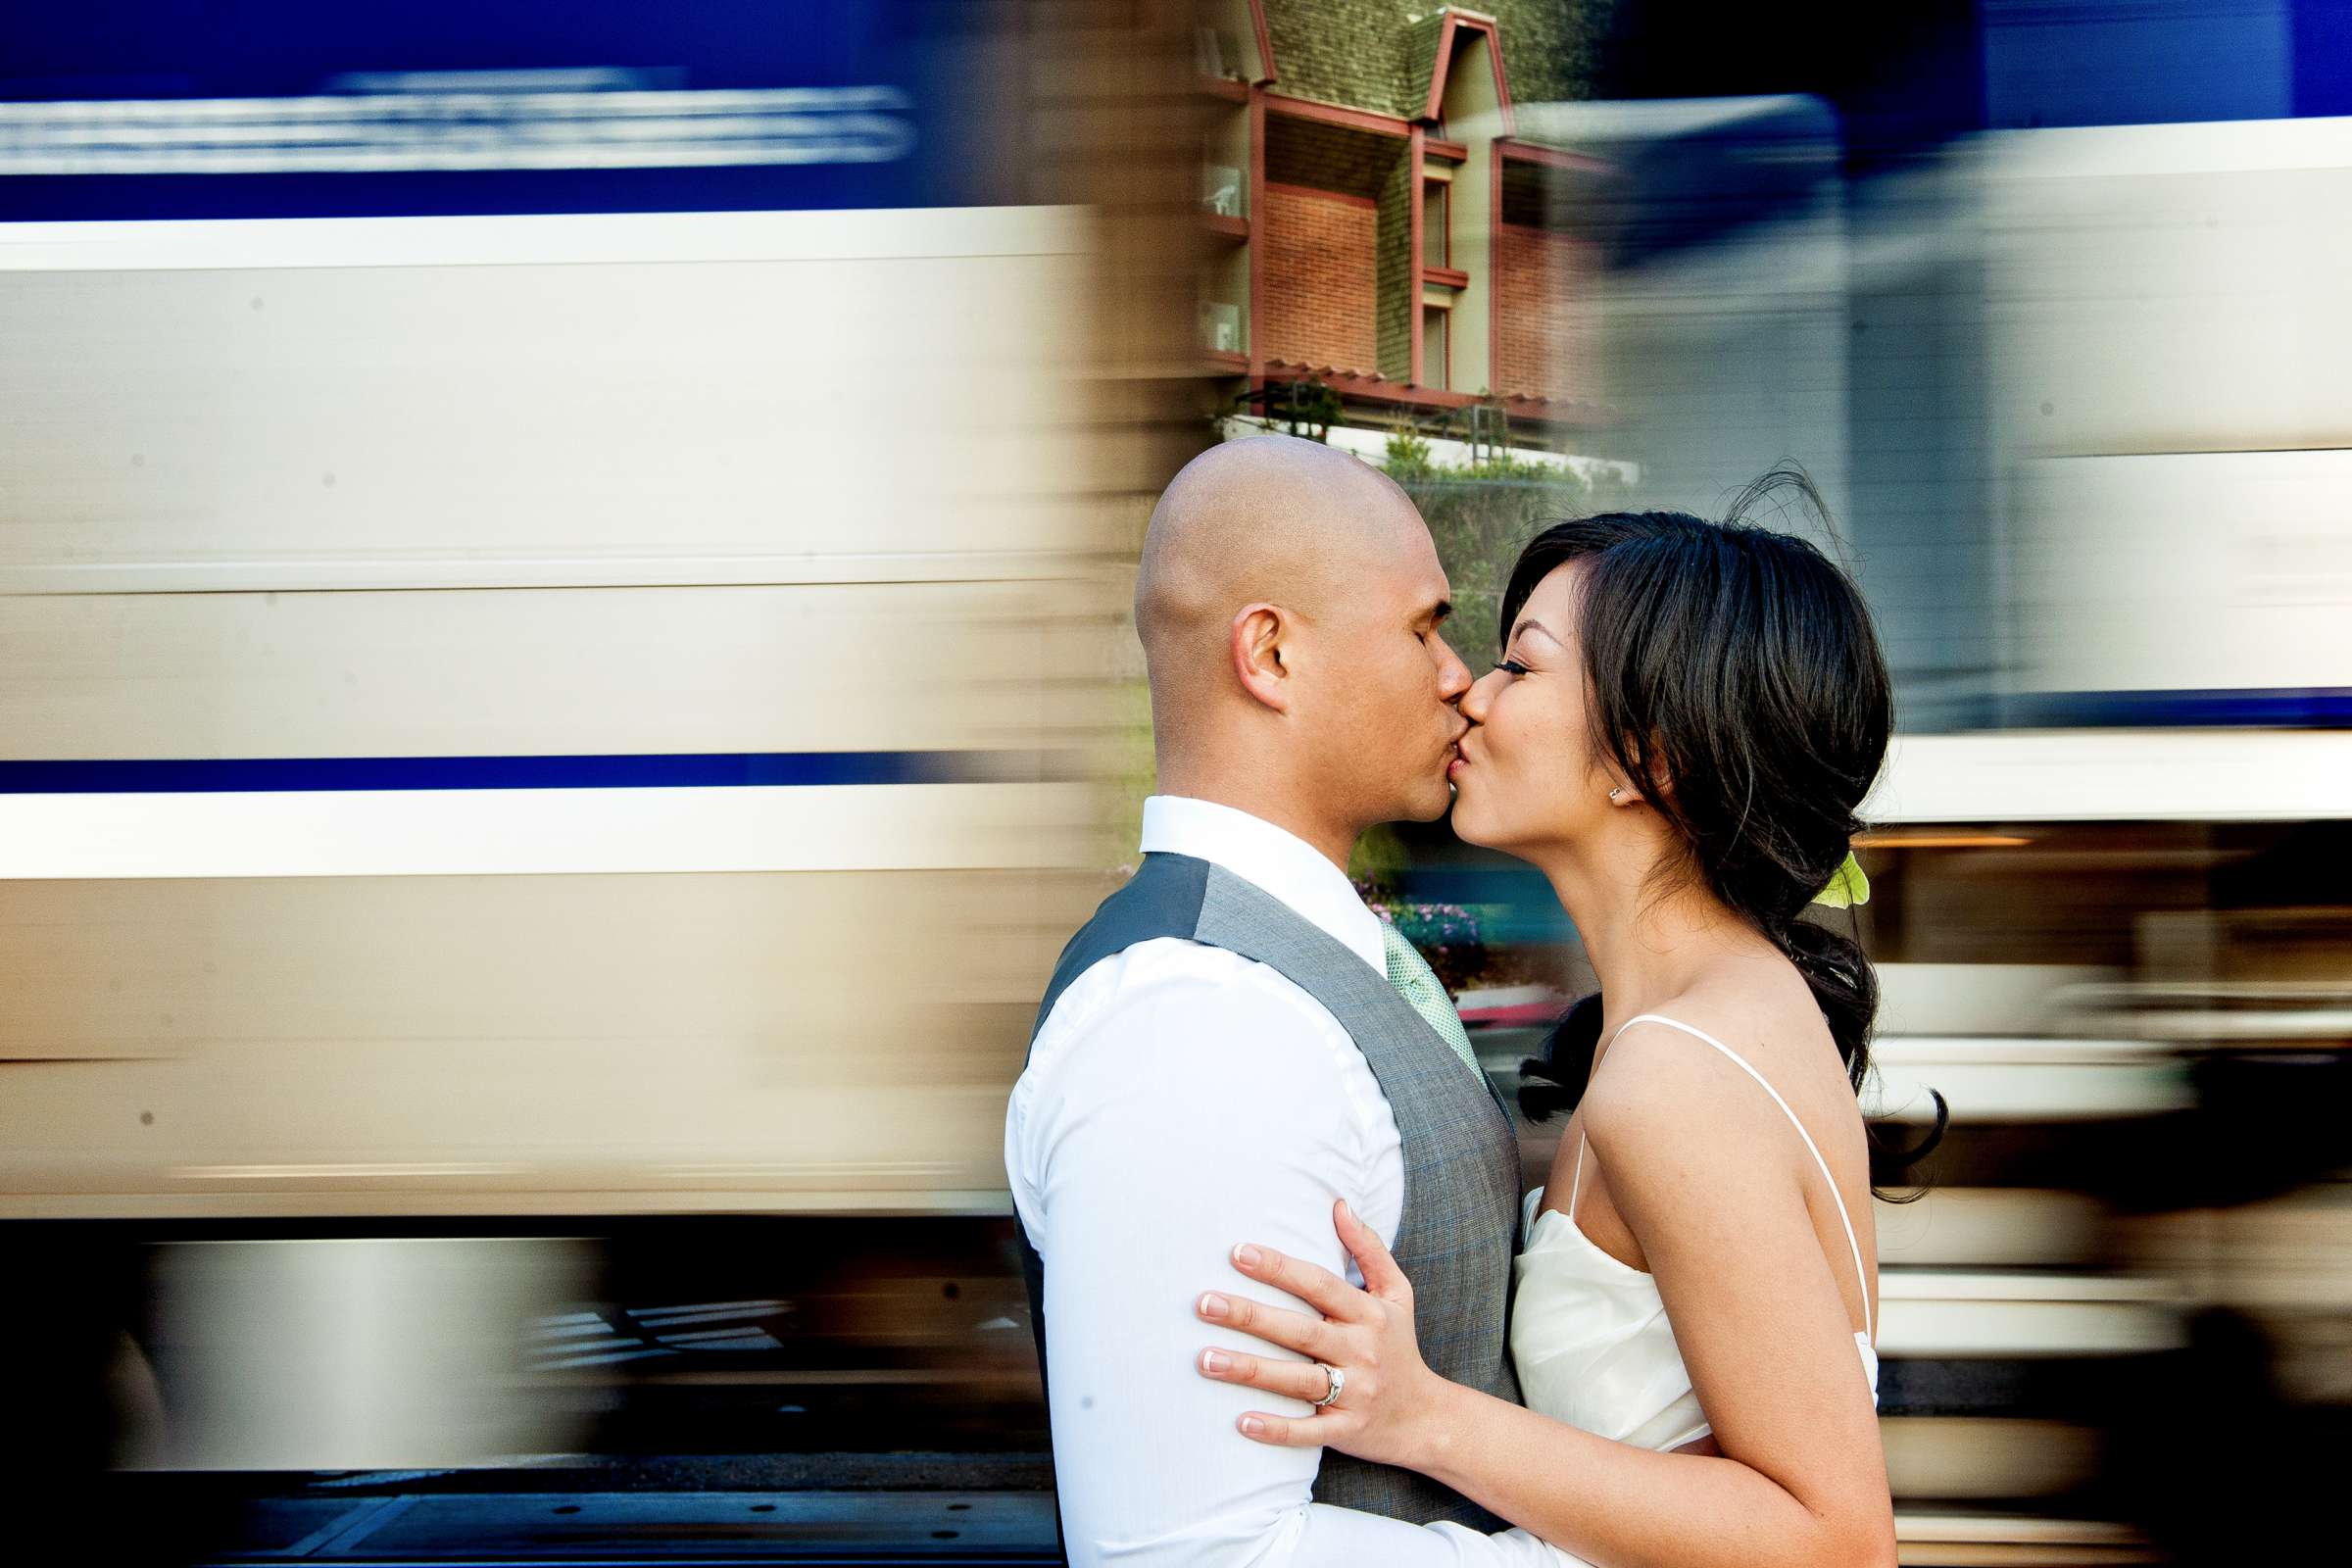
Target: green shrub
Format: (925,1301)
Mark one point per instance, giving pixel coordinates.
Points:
(1406,458)
(1481,517)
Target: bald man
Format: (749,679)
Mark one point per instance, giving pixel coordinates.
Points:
(1234,1042)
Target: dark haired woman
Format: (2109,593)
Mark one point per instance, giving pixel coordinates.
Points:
(1685,718)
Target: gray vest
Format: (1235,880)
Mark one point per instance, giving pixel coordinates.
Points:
(1460,1228)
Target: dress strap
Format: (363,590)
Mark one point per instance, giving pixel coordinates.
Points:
(1578,1180)
(1860,1274)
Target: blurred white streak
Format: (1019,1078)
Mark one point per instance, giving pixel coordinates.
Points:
(511,832)
(1954,1314)
(2015,1079)
(2116,775)
(480,129)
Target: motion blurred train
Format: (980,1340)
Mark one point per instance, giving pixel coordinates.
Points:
(2158,1120)
(2074,398)
(559,631)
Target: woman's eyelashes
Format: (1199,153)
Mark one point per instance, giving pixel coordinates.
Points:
(1512,665)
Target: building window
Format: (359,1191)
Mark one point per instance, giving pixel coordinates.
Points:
(1437,358)
(1436,248)
(1215,53)
(1221,190)
(1220,326)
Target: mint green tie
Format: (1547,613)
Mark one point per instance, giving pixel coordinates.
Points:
(1417,983)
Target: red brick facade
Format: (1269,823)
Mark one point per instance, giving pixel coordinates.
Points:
(1319,306)
(1543,344)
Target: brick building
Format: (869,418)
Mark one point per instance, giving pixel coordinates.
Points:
(1376,225)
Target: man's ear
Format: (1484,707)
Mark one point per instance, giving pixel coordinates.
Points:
(1258,633)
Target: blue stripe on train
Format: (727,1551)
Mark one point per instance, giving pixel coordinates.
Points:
(2222,707)
(403,70)
(663,770)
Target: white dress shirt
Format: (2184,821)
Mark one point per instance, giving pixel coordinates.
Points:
(1181,1099)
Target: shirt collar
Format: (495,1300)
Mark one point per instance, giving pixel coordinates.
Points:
(1271,858)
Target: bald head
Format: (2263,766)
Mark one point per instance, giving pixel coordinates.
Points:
(1271,518)
(1288,605)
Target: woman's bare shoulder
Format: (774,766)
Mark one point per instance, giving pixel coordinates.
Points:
(1781,1035)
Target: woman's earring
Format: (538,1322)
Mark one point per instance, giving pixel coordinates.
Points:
(1612,795)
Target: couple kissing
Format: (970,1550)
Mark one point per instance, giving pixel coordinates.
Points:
(1292,1307)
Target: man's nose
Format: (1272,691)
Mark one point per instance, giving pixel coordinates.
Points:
(1453,676)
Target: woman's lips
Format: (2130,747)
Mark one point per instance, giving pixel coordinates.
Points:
(1454,768)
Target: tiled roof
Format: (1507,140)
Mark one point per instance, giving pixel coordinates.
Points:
(1365,54)
(1375,387)
(1420,42)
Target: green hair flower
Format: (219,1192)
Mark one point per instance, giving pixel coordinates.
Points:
(1846,887)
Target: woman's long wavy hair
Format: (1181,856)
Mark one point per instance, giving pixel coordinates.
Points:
(1742,666)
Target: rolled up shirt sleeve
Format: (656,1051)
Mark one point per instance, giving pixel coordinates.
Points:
(1167,1116)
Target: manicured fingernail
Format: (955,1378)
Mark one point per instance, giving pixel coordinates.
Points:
(1251,1426)
(1246,1256)
(1214,1305)
(1214,1360)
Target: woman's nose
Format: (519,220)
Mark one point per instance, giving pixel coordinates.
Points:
(1473,704)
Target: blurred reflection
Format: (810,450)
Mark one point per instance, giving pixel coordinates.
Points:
(355,1353)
